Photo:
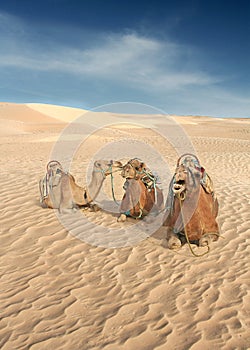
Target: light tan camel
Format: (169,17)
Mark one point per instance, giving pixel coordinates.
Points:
(58,189)
(192,206)
(142,195)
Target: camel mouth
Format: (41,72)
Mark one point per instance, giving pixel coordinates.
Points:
(107,167)
(113,166)
(179,186)
(116,164)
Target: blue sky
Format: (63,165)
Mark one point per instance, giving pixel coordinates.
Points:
(183,57)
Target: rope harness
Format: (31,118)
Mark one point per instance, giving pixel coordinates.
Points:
(189,160)
(54,170)
(127,213)
(181,199)
(111,171)
(147,178)
(112,185)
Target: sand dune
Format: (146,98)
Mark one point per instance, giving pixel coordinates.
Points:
(22,113)
(21,119)
(62,292)
(65,114)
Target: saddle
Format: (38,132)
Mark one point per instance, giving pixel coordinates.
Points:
(51,179)
(150,180)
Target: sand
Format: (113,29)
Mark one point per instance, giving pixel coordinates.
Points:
(61,292)
(62,113)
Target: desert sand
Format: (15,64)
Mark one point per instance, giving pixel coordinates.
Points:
(60,290)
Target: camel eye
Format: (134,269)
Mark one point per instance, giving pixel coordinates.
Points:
(136,168)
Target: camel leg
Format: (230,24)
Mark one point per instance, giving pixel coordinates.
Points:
(206,239)
(67,210)
(122,218)
(66,205)
(94,207)
(173,242)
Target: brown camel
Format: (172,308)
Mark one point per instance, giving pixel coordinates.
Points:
(58,189)
(192,206)
(142,195)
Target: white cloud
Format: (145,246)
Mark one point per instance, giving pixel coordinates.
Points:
(120,58)
(165,71)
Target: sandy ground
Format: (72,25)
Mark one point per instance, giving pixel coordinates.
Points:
(62,291)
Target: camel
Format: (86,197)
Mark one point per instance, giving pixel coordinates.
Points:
(192,206)
(58,189)
(142,195)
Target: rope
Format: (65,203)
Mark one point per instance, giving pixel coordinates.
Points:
(139,216)
(103,171)
(154,180)
(186,235)
(51,192)
(112,187)
(151,177)
(127,213)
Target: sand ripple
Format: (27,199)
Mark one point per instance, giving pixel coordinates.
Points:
(58,292)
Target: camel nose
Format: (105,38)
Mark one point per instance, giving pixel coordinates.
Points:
(177,177)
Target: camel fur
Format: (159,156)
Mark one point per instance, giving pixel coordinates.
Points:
(58,189)
(192,206)
(142,195)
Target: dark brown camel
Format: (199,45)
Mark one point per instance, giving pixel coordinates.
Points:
(192,206)
(142,195)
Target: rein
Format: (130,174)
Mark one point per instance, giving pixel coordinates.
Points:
(181,199)
(136,217)
(152,178)
(112,184)
(109,169)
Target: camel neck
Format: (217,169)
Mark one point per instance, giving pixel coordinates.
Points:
(95,184)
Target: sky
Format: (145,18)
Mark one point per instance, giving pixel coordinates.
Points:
(181,57)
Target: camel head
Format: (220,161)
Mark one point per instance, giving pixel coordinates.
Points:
(187,175)
(134,169)
(106,167)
